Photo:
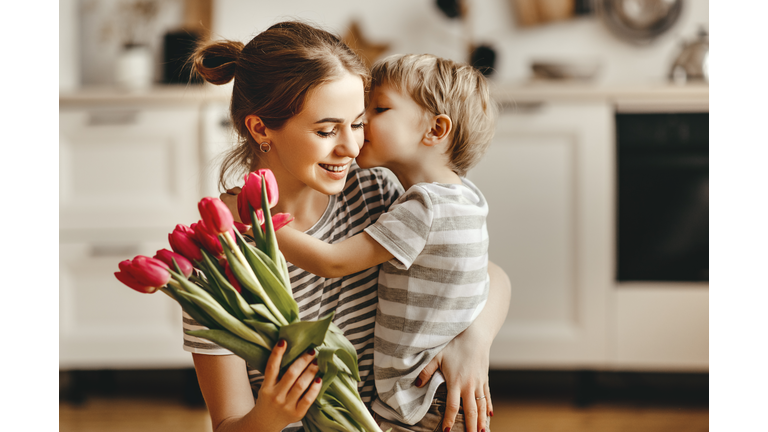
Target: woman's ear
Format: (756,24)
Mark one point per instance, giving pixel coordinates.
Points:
(256,127)
(439,129)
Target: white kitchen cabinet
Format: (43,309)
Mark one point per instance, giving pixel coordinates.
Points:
(128,166)
(129,172)
(548,179)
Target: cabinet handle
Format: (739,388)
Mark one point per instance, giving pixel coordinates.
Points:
(126,251)
(112,118)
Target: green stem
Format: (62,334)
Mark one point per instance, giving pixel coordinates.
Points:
(351,401)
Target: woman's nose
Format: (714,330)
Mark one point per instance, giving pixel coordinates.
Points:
(348,145)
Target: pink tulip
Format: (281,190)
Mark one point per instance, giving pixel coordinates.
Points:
(210,242)
(183,242)
(251,190)
(143,274)
(241,228)
(218,219)
(245,212)
(168,257)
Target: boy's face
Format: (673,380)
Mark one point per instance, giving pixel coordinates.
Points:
(394,128)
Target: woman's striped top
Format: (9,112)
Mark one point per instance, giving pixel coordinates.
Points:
(367,194)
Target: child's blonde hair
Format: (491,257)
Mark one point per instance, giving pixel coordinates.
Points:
(442,86)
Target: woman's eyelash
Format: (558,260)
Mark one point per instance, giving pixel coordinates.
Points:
(381,110)
(358,126)
(327,134)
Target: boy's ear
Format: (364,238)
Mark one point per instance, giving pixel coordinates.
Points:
(439,129)
(256,128)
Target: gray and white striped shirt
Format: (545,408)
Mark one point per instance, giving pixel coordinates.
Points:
(431,291)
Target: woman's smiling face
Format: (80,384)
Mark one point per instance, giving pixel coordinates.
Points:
(316,146)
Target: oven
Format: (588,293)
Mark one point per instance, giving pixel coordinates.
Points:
(662,197)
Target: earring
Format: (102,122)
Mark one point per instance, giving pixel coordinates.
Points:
(265,147)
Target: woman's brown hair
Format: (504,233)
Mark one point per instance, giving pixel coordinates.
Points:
(273,74)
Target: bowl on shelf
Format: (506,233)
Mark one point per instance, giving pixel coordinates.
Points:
(577,70)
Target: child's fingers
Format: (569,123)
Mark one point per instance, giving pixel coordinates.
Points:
(272,369)
(452,404)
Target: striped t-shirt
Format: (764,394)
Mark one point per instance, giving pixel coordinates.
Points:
(366,195)
(434,287)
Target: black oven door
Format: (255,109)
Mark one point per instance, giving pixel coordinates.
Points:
(663,197)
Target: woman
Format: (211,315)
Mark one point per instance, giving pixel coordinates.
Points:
(297,105)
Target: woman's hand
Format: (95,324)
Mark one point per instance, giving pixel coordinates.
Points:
(464,364)
(285,400)
(227,391)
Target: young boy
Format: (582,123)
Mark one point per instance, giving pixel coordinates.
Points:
(428,120)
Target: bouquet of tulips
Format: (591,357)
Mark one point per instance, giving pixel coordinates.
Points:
(242,294)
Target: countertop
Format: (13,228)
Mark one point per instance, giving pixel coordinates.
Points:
(650,96)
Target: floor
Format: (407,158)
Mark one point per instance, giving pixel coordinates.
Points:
(541,402)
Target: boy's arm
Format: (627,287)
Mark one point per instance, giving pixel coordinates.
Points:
(327,260)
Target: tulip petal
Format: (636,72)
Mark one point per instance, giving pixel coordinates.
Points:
(132,283)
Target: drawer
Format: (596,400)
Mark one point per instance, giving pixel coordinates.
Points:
(124,167)
(104,324)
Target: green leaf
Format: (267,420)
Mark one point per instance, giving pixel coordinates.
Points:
(318,420)
(262,311)
(266,329)
(301,335)
(227,321)
(271,248)
(237,304)
(197,314)
(258,235)
(255,355)
(345,351)
(273,285)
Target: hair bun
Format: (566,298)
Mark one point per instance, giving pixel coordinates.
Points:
(215,61)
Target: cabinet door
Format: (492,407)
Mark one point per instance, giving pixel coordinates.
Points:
(103,323)
(547,178)
(128,167)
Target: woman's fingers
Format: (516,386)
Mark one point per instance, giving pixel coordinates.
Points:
(292,374)
(489,402)
(482,410)
(272,369)
(452,405)
(470,411)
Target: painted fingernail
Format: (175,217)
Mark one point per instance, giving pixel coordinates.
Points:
(491,413)
(447,429)
(311,351)
(314,362)
(418,384)
(318,380)
(281,343)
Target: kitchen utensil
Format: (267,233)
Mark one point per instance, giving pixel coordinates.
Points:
(580,70)
(639,21)
(693,62)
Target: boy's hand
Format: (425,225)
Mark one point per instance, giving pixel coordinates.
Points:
(230,199)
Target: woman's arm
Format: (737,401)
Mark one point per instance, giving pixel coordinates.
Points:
(227,391)
(464,362)
(352,255)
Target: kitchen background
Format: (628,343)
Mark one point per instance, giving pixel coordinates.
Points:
(600,99)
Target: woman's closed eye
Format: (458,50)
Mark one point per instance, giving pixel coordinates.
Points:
(328,134)
(381,109)
(358,125)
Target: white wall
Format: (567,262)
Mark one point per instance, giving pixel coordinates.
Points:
(418,26)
